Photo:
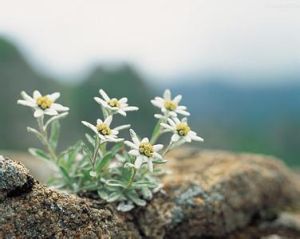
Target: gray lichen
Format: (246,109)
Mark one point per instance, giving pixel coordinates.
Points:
(187,197)
(12,174)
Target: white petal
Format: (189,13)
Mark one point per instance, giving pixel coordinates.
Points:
(122,112)
(177,99)
(158,116)
(134,152)
(188,139)
(50,111)
(26,103)
(184,120)
(114,132)
(176,120)
(123,100)
(134,137)
(172,123)
(181,107)
(166,126)
(126,126)
(131,145)
(175,138)
(167,94)
(195,137)
(36,94)
(172,114)
(183,112)
(26,96)
(138,162)
(157,103)
(38,113)
(89,125)
(157,156)
(101,102)
(157,147)
(145,140)
(54,96)
(150,165)
(108,120)
(104,95)
(99,121)
(112,139)
(59,107)
(131,108)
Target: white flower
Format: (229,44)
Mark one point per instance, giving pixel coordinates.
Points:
(169,106)
(181,130)
(42,105)
(104,132)
(143,150)
(115,105)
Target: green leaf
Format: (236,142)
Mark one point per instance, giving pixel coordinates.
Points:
(142,184)
(39,153)
(159,161)
(103,194)
(36,133)
(114,196)
(90,139)
(115,183)
(65,174)
(103,162)
(133,196)
(146,193)
(87,151)
(54,133)
(55,118)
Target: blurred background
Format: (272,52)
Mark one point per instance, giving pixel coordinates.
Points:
(237,64)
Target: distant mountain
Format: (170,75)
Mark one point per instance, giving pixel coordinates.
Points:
(262,119)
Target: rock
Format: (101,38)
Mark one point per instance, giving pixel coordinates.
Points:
(15,178)
(207,194)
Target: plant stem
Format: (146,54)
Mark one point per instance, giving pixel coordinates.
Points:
(168,148)
(96,149)
(131,178)
(46,143)
(156,132)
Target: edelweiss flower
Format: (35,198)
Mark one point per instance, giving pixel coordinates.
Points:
(181,130)
(42,105)
(169,106)
(143,150)
(104,132)
(119,106)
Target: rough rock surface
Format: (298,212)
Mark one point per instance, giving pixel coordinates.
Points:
(208,194)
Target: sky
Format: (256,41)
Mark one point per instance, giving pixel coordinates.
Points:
(162,38)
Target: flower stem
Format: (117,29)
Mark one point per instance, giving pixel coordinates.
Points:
(156,132)
(131,178)
(45,140)
(96,149)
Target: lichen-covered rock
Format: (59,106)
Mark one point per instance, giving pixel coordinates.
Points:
(12,174)
(14,178)
(208,194)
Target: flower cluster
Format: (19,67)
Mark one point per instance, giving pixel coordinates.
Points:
(115,169)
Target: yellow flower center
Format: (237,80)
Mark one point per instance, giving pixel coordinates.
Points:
(103,129)
(183,129)
(113,103)
(146,149)
(44,102)
(170,105)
